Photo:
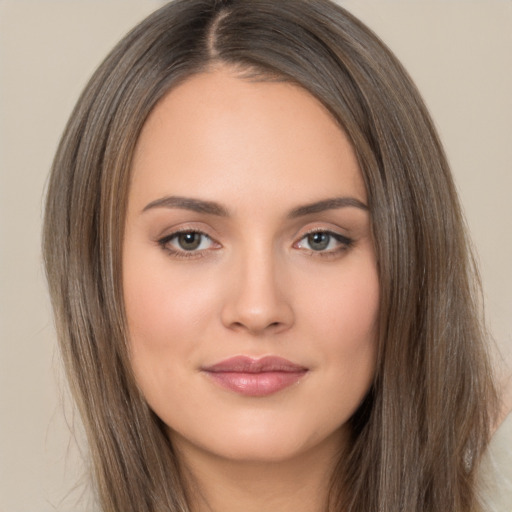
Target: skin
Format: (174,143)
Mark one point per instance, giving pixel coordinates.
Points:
(255,285)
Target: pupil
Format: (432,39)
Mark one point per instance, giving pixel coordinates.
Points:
(189,241)
(318,241)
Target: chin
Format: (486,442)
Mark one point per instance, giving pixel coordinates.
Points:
(261,444)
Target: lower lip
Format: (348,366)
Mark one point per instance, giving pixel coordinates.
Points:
(256,384)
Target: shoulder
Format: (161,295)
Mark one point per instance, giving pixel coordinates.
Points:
(497,468)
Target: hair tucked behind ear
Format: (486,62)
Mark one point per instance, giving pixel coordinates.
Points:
(419,435)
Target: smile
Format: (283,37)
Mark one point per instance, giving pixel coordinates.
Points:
(255,377)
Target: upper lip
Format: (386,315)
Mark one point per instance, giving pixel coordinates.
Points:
(245,364)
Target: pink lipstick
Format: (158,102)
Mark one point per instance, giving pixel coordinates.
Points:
(255,377)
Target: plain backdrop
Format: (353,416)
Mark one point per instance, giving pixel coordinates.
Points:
(458,51)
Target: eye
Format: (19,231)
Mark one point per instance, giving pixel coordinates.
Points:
(187,243)
(324,242)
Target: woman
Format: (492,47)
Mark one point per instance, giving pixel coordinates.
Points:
(260,275)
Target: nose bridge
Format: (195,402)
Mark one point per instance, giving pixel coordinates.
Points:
(257,301)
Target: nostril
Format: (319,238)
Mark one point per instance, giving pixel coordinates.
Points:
(256,306)
(257,328)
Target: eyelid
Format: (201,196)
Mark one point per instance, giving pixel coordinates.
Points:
(345,242)
(328,230)
(164,243)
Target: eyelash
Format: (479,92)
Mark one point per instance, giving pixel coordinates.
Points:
(345,243)
(177,253)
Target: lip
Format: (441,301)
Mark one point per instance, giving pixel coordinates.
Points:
(255,377)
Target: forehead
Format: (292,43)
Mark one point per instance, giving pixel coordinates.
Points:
(219,133)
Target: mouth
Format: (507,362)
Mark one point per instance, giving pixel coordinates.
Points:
(255,377)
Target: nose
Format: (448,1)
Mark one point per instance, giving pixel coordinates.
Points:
(256,300)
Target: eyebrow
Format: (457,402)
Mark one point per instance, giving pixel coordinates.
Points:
(327,204)
(188,203)
(213,208)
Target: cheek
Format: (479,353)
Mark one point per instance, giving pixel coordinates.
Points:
(167,311)
(343,314)
(167,317)
(161,301)
(345,304)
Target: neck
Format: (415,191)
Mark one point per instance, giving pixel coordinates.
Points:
(298,484)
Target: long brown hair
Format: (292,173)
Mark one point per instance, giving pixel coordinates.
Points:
(420,433)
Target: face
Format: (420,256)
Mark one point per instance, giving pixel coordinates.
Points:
(249,272)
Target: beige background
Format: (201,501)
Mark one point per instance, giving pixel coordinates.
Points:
(458,51)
